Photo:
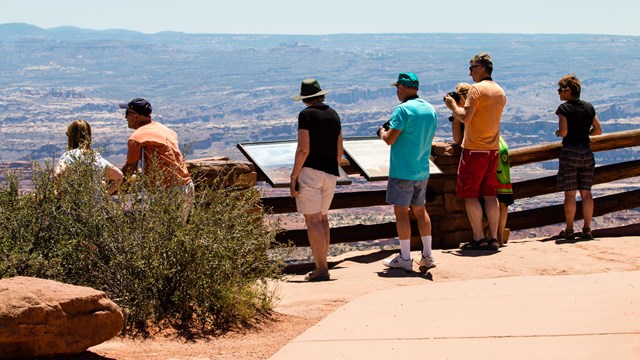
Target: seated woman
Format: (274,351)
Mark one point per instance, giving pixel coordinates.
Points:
(79,148)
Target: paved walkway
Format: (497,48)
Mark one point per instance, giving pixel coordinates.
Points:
(593,316)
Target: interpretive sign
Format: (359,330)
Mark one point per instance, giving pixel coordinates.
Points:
(274,159)
(371,156)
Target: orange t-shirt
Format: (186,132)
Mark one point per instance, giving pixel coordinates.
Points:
(161,147)
(483,131)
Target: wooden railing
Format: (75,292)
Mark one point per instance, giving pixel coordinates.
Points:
(447,213)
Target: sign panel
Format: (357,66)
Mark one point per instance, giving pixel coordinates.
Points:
(371,156)
(275,159)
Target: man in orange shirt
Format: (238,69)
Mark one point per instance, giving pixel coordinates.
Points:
(479,160)
(157,146)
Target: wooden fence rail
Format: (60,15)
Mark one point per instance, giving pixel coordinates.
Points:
(455,221)
(550,151)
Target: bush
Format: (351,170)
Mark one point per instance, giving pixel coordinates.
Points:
(202,277)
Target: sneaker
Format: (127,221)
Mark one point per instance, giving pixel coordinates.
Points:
(398,263)
(316,275)
(426,263)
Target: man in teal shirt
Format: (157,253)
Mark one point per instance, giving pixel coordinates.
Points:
(410,133)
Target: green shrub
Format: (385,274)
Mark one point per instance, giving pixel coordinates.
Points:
(201,278)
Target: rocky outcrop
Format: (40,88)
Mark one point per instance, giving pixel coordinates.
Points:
(46,318)
(220,171)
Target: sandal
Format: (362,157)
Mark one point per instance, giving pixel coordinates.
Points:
(567,234)
(316,275)
(586,233)
(475,245)
(493,244)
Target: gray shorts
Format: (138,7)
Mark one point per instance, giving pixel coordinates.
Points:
(406,192)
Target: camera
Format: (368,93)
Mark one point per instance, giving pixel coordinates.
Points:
(451,118)
(455,95)
(385,126)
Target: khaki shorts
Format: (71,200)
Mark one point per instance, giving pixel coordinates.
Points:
(316,191)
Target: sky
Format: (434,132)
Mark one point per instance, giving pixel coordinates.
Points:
(614,17)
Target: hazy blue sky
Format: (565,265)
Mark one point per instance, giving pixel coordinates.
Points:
(332,16)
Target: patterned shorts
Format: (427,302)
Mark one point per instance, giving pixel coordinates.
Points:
(576,168)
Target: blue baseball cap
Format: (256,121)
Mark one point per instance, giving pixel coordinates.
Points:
(137,105)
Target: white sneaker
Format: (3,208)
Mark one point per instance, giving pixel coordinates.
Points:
(426,263)
(398,263)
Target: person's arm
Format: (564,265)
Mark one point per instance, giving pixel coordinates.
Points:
(596,128)
(134,153)
(463,114)
(456,131)
(59,169)
(466,115)
(114,176)
(389,136)
(563,128)
(340,148)
(302,151)
(129,169)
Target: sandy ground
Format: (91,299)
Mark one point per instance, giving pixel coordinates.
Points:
(303,304)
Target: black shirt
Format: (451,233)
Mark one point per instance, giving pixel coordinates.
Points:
(580,115)
(323,124)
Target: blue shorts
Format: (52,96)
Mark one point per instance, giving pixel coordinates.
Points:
(406,192)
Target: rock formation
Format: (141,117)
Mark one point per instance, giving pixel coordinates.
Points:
(46,318)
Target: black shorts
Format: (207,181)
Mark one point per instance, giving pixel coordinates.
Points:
(506,199)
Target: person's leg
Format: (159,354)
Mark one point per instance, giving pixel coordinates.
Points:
(399,194)
(489,191)
(502,223)
(569,163)
(327,190)
(326,233)
(426,261)
(569,208)
(403,226)
(585,182)
(309,202)
(476,178)
(317,240)
(493,215)
(587,207)
(474,212)
(424,226)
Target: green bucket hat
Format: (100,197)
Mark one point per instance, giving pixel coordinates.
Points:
(309,88)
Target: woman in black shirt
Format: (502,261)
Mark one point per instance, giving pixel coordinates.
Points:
(315,170)
(577,120)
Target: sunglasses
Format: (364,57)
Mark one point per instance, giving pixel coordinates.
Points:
(129,112)
(473,67)
(560,90)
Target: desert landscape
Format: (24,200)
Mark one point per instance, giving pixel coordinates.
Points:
(218,90)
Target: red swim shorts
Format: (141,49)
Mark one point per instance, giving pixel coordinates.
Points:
(477,174)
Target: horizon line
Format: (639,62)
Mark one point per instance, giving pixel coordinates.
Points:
(302,34)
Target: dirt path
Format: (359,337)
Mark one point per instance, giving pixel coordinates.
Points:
(304,304)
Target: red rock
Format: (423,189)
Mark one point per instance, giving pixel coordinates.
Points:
(46,318)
